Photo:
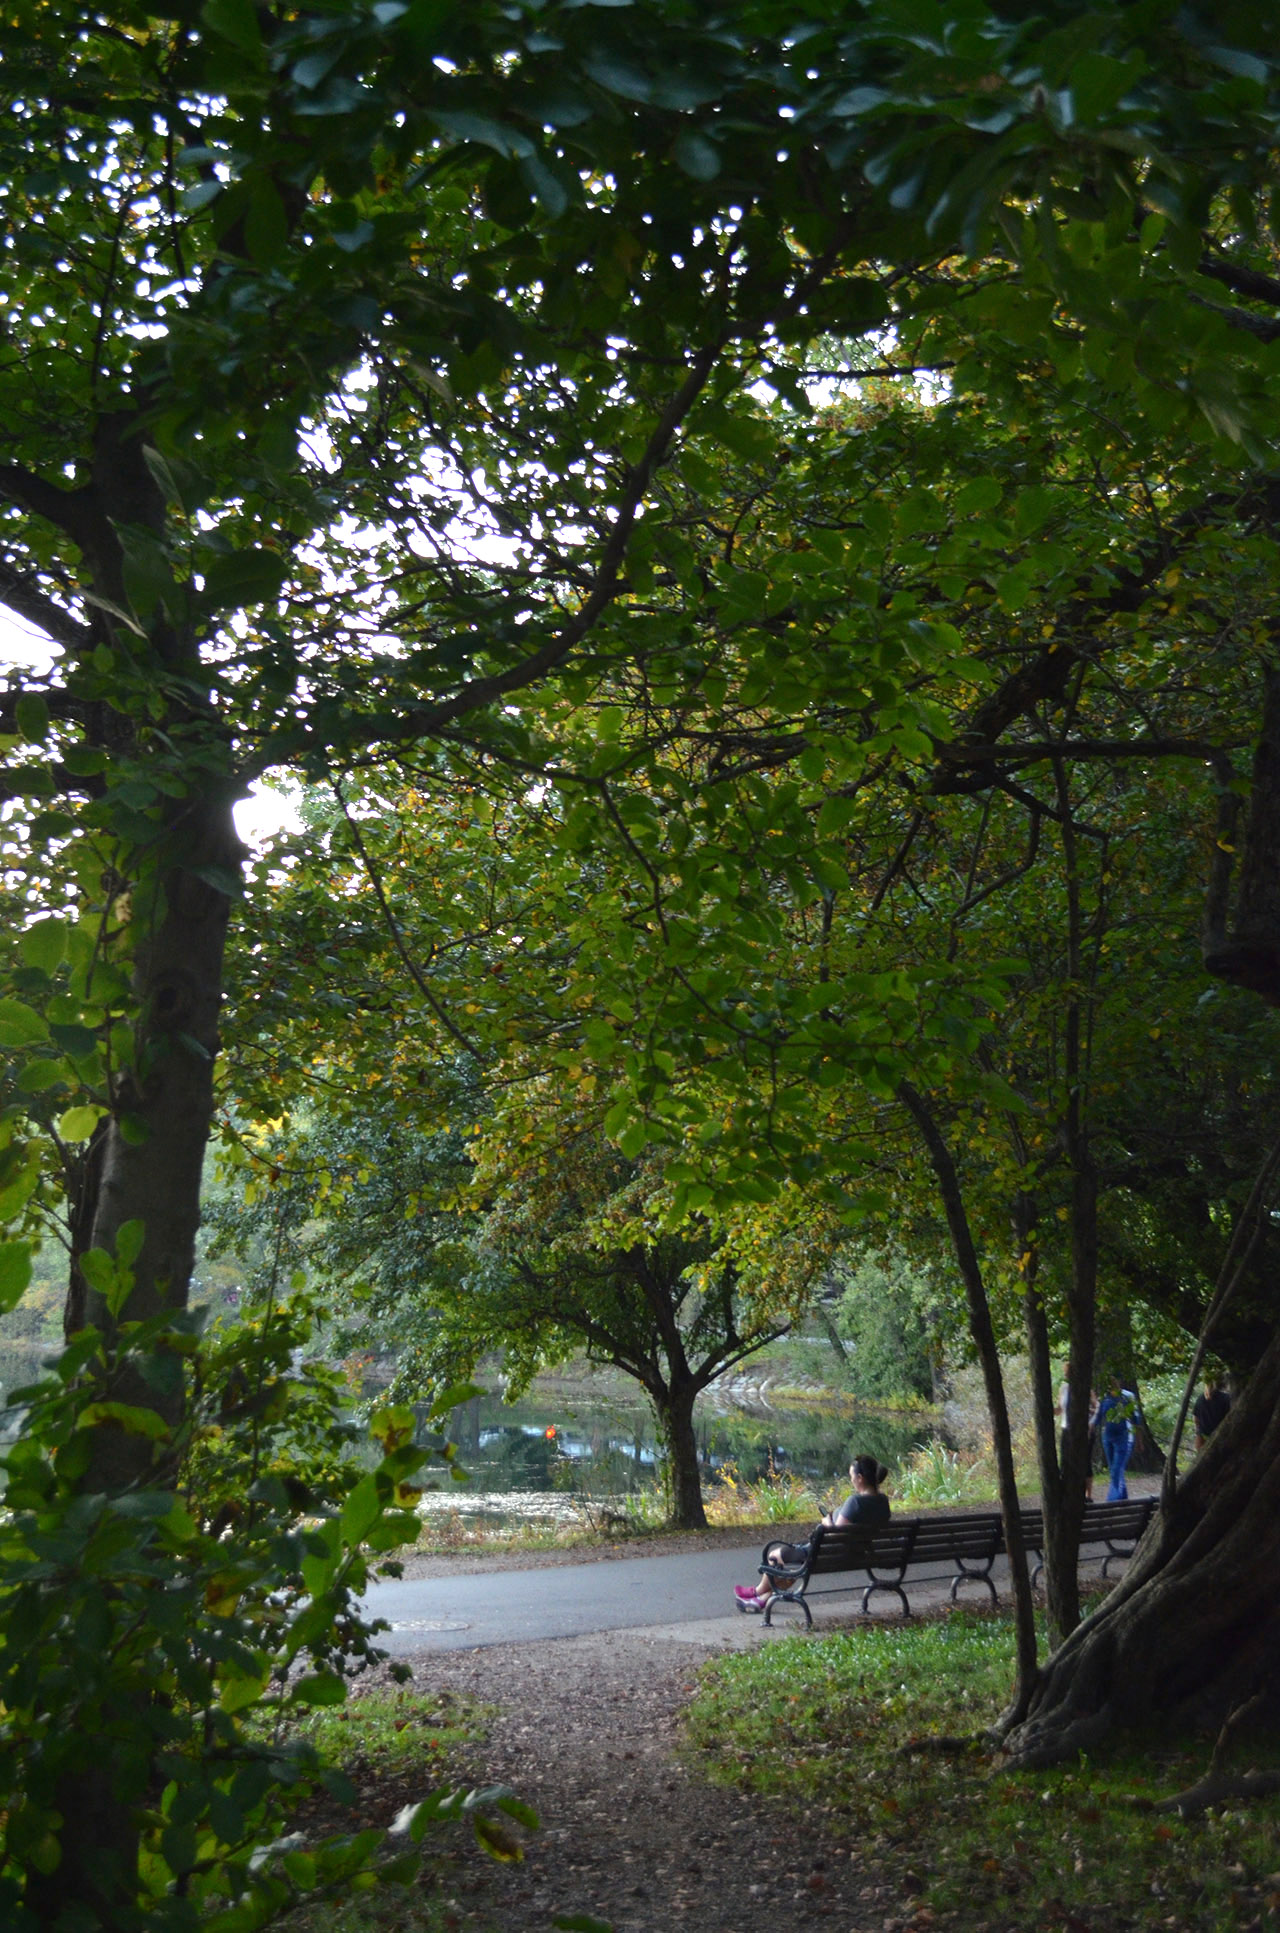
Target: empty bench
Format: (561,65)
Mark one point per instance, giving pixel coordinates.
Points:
(1117,1527)
(959,1549)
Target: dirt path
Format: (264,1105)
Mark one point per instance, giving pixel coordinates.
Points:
(586,1735)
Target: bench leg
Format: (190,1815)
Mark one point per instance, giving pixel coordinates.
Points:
(897,1590)
(779,1598)
(963,1576)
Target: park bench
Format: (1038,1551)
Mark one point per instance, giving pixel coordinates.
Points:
(961,1549)
(1117,1527)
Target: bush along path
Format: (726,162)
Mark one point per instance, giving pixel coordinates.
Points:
(834,1781)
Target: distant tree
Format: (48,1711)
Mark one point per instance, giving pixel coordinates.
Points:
(882,1314)
(536,1240)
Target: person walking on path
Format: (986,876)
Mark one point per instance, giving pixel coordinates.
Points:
(864,1505)
(1115,1417)
(1209,1410)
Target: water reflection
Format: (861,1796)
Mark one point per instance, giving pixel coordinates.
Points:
(600,1447)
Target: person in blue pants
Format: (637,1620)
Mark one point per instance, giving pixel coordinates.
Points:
(1115,1417)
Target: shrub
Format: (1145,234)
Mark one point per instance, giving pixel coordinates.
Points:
(143,1626)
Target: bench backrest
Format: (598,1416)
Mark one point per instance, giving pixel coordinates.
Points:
(1032,1524)
(857,1547)
(1118,1522)
(941,1539)
(1103,1522)
(924,1540)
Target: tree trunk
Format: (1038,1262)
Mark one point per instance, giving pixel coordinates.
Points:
(983,1333)
(1064,1503)
(145,1165)
(684,1479)
(1249,955)
(150,1164)
(1063,1605)
(1192,1629)
(832,1334)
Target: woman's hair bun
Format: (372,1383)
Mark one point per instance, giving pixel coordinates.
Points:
(870,1471)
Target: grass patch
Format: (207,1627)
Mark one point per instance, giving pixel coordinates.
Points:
(383,1732)
(396,1912)
(827,1726)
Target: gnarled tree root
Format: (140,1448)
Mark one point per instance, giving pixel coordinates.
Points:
(1218,1789)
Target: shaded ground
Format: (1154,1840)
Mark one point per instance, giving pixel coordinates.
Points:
(586,1735)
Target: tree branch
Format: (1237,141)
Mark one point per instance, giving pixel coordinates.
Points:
(481,692)
(35,607)
(67,510)
(397,939)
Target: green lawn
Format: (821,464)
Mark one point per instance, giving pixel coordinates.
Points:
(848,1730)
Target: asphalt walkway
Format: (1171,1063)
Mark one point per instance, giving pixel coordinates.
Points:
(679,1596)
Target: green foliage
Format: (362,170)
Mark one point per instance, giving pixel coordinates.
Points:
(774,1499)
(850,1730)
(302,310)
(935,1477)
(883,1314)
(145,1628)
(531,1236)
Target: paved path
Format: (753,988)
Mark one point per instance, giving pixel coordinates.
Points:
(570,1600)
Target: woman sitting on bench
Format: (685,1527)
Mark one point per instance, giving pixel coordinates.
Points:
(865,1505)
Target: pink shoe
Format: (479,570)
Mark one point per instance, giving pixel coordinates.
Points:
(746,1597)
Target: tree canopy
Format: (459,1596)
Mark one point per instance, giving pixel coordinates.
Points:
(413,395)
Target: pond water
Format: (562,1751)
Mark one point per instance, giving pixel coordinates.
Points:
(574,1443)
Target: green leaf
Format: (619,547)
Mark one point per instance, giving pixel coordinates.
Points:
(32,715)
(465,126)
(236,21)
(518,1810)
(43,944)
(550,191)
(98,1270)
(129,1240)
(20,1025)
(984,493)
(698,157)
(15,1273)
(78,1123)
(39,1075)
(78,1042)
(245,577)
(360,1512)
(1234,60)
(148,573)
(223,880)
(455,1395)
(266,224)
(321,1688)
(132,1418)
(162,475)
